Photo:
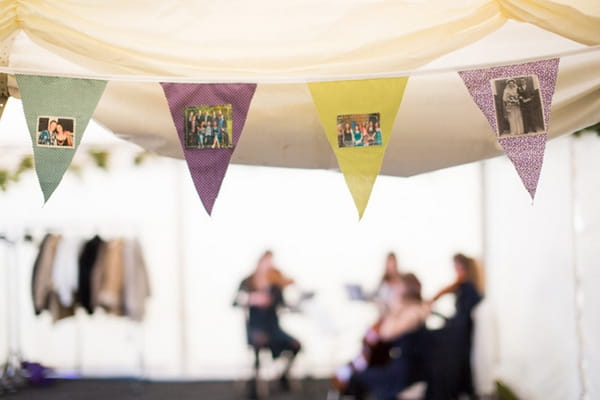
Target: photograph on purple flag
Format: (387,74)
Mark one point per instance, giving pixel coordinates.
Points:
(518,105)
(359,130)
(208,127)
(55,132)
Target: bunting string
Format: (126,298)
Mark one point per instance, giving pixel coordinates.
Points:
(261,77)
(357,116)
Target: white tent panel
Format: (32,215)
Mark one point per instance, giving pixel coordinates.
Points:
(587,231)
(530,277)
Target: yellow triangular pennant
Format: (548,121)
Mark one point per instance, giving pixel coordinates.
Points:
(346,106)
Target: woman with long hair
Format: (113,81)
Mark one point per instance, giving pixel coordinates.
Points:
(63,136)
(358,139)
(370,134)
(262,294)
(348,135)
(378,137)
(468,277)
(391,276)
(455,368)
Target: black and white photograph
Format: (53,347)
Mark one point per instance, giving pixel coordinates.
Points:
(359,130)
(55,132)
(518,104)
(208,127)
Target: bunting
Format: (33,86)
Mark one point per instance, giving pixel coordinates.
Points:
(516,100)
(209,119)
(358,117)
(57,111)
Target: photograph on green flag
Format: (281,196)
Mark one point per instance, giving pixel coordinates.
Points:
(208,127)
(55,132)
(359,130)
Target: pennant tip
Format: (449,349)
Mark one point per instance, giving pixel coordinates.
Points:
(208,208)
(361,212)
(532,195)
(46,197)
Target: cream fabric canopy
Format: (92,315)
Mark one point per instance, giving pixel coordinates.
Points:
(283,45)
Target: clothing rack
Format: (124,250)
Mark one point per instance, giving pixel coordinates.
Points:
(12,377)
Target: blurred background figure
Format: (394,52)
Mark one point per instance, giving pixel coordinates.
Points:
(451,364)
(391,277)
(392,356)
(262,295)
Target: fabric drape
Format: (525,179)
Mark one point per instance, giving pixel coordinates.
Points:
(164,37)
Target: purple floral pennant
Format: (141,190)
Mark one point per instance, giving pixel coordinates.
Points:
(516,100)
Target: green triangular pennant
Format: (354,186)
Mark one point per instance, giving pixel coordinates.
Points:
(57,111)
(3,92)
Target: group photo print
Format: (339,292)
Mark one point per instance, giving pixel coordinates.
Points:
(359,130)
(518,106)
(208,127)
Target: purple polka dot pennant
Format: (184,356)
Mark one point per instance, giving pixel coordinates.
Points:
(516,100)
(209,119)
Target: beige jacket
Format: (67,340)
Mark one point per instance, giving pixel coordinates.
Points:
(136,289)
(42,278)
(111,278)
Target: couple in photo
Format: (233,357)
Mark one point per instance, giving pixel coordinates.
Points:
(55,135)
(522,108)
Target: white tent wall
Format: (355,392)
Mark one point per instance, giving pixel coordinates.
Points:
(587,253)
(531,257)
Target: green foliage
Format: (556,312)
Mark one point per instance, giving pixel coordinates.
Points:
(4,178)
(141,157)
(589,129)
(25,164)
(100,158)
(504,393)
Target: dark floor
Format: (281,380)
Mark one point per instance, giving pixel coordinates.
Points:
(134,390)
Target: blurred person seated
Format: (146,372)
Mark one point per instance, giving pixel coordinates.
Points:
(451,374)
(262,295)
(392,356)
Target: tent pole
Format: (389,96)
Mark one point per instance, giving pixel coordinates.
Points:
(181,280)
(578,298)
(483,213)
